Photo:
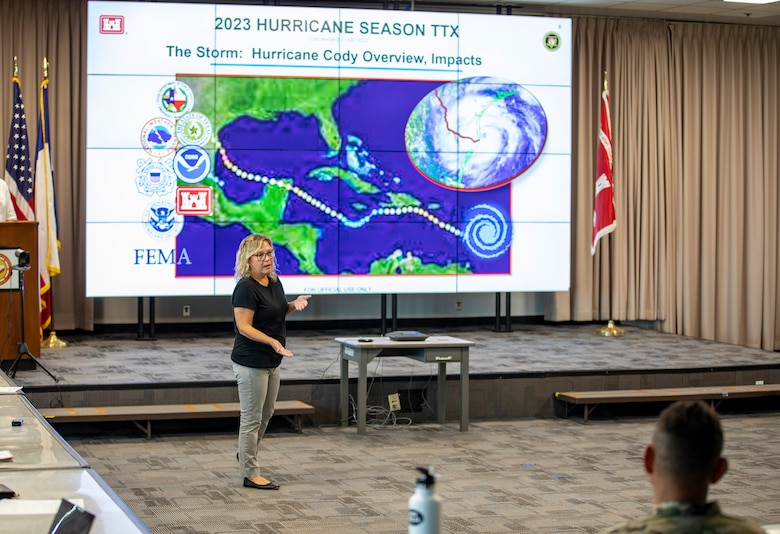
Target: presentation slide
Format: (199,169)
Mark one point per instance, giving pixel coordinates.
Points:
(381,151)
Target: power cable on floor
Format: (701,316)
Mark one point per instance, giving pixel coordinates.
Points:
(378,417)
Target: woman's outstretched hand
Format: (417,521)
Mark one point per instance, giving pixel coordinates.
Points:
(301,302)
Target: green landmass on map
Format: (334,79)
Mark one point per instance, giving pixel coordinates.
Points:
(225,98)
(398,263)
(264,99)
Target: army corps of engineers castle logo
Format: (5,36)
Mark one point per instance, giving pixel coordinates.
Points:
(109,24)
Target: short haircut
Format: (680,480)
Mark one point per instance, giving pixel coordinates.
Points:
(688,442)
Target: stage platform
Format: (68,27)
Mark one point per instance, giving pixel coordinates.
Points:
(513,374)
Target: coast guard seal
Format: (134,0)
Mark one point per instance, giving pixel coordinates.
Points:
(154,177)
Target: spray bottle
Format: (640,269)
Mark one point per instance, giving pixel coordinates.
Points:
(425,505)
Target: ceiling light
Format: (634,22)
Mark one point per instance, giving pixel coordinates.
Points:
(752,1)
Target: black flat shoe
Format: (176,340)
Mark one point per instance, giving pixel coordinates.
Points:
(270,486)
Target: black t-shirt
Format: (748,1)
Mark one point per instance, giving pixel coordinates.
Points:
(270,307)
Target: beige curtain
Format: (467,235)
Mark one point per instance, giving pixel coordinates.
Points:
(56,30)
(621,280)
(695,145)
(696,138)
(726,82)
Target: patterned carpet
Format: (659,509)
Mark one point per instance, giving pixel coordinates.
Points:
(545,476)
(529,476)
(528,348)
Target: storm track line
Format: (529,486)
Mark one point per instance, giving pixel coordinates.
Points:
(447,123)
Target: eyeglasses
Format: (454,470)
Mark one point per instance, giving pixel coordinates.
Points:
(263,255)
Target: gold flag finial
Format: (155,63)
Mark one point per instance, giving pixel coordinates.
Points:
(605,81)
(16,67)
(45,68)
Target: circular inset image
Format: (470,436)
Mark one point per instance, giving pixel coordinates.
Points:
(476,134)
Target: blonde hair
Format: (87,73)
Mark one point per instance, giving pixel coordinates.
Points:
(248,247)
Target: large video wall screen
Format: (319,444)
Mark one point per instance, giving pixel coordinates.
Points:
(382,151)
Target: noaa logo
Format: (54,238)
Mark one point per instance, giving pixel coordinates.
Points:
(193,129)
(158,137)
(191,164)
(175,99)
(161,220)
(154,177)
(552,41)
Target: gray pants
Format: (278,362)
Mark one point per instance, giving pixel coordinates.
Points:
(257,392)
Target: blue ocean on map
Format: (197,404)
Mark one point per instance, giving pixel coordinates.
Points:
(359,220)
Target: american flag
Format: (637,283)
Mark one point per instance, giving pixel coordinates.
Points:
(18,175)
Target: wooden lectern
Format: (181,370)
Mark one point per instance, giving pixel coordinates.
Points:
(21,235)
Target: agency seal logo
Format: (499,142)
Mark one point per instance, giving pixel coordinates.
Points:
(111,24)
(194,200)
(154,177)
(175,99)
(6,269)
(552,41)
(191,164)
(158,138)
(161,220)
(193,129)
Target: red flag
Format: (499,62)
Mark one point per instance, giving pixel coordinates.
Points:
(604,220)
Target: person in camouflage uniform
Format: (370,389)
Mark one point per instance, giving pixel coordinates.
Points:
(682,460)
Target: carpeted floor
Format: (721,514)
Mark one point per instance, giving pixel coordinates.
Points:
(534,475)
(529,476)
(528,348)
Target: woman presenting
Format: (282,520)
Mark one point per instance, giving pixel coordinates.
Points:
(259,311)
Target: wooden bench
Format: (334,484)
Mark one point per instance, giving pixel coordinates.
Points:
(591,399)
(292,410)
